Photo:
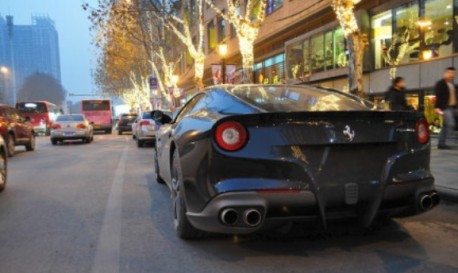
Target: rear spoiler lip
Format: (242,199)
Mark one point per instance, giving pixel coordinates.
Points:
(353,115)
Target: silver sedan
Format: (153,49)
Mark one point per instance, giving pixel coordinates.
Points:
(71,127)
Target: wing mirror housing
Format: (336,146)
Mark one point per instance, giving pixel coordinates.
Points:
(160,117)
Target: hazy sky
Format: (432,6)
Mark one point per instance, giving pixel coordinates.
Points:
(76,52)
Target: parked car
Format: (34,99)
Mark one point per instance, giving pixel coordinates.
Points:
(71,127)
(125,122)
(238,158)
(144,129)
(16,130)
(3,164)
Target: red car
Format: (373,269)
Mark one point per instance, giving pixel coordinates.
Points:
(16,130)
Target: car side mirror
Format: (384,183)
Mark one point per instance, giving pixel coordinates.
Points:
(160,117)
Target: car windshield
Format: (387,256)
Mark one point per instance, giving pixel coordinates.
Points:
(128,117)
(64,118)
(297,98)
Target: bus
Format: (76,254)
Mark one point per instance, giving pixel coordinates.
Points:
(99,113)
(41,113)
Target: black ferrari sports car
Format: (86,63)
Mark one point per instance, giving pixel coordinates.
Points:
(238,159)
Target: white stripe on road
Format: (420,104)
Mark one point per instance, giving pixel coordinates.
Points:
(109,244)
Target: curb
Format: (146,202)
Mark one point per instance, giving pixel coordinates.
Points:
(448,194)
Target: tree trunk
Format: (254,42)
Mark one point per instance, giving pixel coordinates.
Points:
(357,43)
(199,66)
(247,51)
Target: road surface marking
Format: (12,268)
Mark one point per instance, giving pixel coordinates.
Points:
(109,244)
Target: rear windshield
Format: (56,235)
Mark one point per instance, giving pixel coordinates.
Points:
(70,118)
(146,115)
(297,99)
(96,105)
(128,117)
(31,107)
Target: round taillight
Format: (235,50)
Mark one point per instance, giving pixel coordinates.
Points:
(231,136)
(422,131)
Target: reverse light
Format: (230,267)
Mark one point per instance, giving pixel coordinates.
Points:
(56,127)
(81,126)
(422,131)
(231,136)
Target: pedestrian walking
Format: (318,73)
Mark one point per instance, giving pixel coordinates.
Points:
(396,95)
(445,103)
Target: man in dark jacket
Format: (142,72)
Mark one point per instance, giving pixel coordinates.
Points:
(446,97)
(396,95)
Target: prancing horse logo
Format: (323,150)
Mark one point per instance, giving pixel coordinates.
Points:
(349,133)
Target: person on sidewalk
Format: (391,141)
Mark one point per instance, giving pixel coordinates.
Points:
(396,95)
(445,103)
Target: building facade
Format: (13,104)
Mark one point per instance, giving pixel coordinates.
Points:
(25,50)
(300,42)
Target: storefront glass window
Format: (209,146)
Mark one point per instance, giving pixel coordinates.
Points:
(317,53)
(306,69)
(382,31)
(406,32)
(295,60)
(328,50)
(340,53)
(438,29)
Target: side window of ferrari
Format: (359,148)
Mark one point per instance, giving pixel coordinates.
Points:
(188,107)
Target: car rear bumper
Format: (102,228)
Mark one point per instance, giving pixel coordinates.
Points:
(124,128)
(400,199)
(63,135)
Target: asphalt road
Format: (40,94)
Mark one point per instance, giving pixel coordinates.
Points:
(96,208)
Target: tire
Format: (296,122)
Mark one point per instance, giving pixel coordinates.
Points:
(31,145)
(3,169)
(159,179)
(183,228)
(119,133)
(87,140)
(109,131)
(134,137)
(53,142)
(139,143)
(11,145)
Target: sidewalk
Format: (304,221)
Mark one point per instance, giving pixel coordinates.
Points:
(444,166)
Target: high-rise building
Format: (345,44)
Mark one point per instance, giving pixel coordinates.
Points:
(25,50)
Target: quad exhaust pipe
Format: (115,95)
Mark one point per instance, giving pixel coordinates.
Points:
(251,217)
(429,201)
(229,217)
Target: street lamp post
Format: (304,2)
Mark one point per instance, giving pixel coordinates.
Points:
(223,52)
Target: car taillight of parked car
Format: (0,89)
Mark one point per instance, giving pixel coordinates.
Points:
(81,126)
(231,136)
(422,131)
(56,127)
(145,123)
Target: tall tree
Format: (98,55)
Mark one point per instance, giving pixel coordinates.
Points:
(190,30)
(41,86)
(246,17)
(131,47)
(357,42)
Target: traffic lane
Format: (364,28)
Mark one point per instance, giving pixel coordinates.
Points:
(427,242)
(52,210)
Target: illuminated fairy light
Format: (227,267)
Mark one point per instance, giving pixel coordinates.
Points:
(246,26)
(184,34)
(344,10)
